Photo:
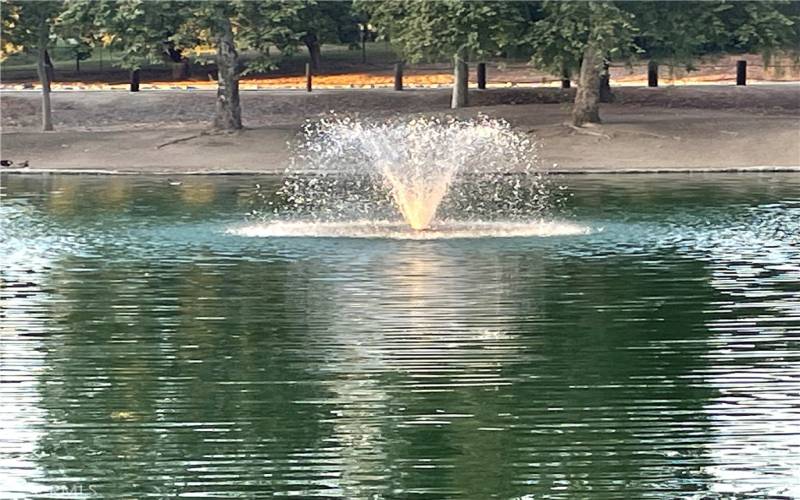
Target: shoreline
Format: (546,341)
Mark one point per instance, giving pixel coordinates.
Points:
(663,130)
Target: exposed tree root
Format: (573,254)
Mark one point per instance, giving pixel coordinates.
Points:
(183,139)
(583,131)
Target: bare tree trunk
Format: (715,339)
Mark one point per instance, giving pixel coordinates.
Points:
(460,81)
(51,70)
(314,51)
(229,111)
(44,76)
(587,100)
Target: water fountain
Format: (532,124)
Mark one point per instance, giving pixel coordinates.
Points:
(443,177)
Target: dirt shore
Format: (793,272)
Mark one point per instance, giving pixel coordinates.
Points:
(663,129)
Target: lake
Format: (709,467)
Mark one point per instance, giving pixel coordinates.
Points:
(148,351)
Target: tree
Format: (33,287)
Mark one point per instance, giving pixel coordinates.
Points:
(289,24)
(581,36)
(28,26)
(434,29)
(139,31)
(679,32)
(212,22)
(587,34)
(264,24)
(318,22)
(229,111)
(144,31)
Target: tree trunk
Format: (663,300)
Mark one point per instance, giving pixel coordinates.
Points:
(229,111)
(51,70)
(587,108)
(460,81)
(44,76)
(314,51)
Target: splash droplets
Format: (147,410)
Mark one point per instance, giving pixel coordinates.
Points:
(424,173)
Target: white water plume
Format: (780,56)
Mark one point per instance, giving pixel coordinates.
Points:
(413,175)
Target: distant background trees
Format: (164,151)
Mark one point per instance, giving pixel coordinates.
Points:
(29,26)
(433,29)
(568,39)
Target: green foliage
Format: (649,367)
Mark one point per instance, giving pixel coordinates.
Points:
(673,31)
(434,29)
(262,25)
(558,38)
(554,33)
(26,23)
(291,24)
(328,21)
(139,31)
(681,31)
(144,31)
(764,27)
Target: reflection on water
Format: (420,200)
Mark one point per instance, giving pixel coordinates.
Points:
(148,351)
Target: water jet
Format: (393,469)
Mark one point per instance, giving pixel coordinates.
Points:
(413,177)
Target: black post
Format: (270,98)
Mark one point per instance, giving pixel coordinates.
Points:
(652,74)
(741,72)
(605,84)
(398,76)
(364,45)
(308,77)
(135,80)
(77,64)
(481,76)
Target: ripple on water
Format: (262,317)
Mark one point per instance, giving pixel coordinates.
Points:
(401,231)
(145,352)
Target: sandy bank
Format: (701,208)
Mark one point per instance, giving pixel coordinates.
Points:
(666,129)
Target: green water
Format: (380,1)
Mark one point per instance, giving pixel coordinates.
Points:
(148,353)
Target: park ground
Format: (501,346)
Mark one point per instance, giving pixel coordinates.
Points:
(667,128)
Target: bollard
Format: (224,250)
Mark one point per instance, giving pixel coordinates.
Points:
(652,74)
(363,45)
(482,75)
(398,76)
(308,77)
(741,72)
(565,83)
(135,80)
(460,82)
(605,85)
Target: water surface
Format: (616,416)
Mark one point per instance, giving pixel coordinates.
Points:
(149,352)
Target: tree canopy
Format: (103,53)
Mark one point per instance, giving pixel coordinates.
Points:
(23,23)
(425,30)
(559,36)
